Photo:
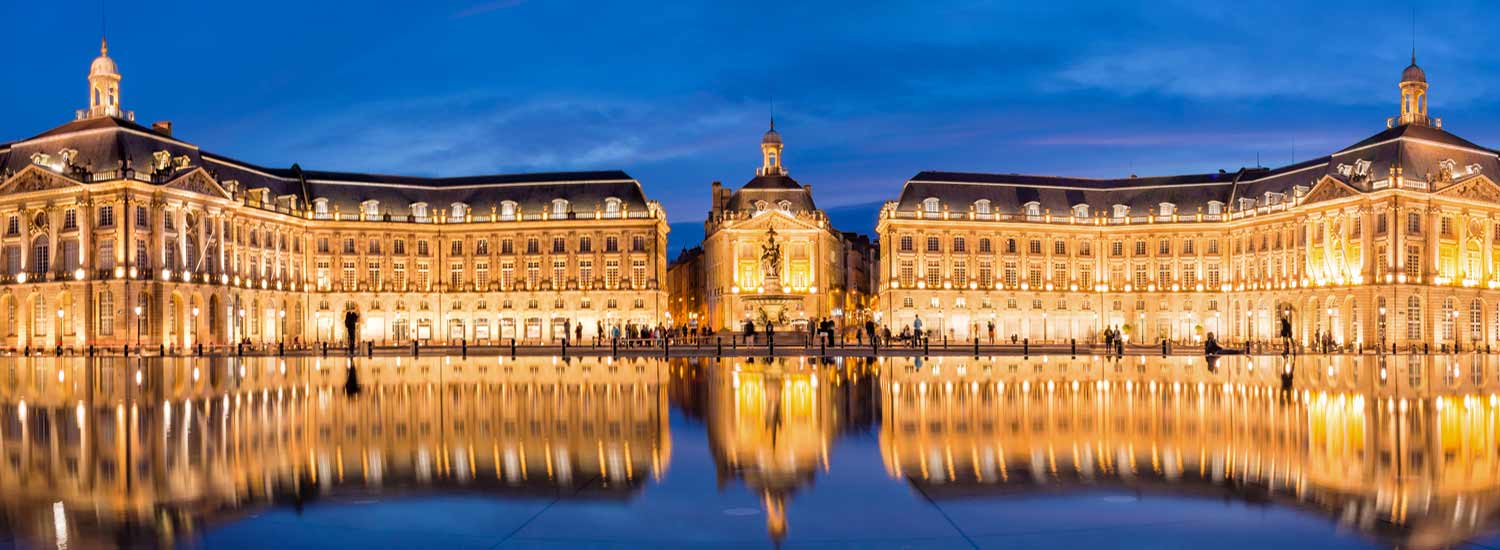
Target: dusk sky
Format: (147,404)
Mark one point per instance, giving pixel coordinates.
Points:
(677,93)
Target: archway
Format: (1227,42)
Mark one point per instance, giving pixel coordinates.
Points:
(215,330)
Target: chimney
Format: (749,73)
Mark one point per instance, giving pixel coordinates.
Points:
(163,127)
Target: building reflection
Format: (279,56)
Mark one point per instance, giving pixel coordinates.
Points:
(1400,448)
(117,452)
(771,422)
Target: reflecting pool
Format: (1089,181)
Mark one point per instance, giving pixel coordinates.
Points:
(1005,452)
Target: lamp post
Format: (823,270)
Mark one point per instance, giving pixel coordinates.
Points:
(281,328)
(1249,326)
(194,332)
(1455,330)
(59,327)
(1328,332)
(1383,326)
(138,328)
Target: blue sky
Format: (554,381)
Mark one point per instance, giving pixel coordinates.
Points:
(677,93)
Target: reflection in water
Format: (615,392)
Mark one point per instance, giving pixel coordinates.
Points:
(133,452)
(113,452)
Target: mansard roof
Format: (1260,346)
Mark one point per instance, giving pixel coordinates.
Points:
(105,144)
(1421,152)
(773,189)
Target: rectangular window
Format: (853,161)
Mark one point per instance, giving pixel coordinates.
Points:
(349,246)
(559,272)
(1035,246)
(533,274)
(960,275)
(934,274)
(482,247)
(1060,273)
(1116,249)
(142,217)
(1059,248)
(482,275)
(1164,274)
(374,249)
(585,244)
(986,275)
(1010,275)
(612,273)
(559,245)
(455,276)
(70,219)
(638,274)
(638,243)
(456,248)
(586,273)
(372,274)
(423,277)
(422,248)
(1213,276)
(958,244)
(106,216)
(398,273)
(1034,278)
(1413,263)
(507,247)
(323,275)
(507,275)
(398,247)
(1164,247)
(106,254)
(1140,277)
(349,276)
(611,244)
(907,274)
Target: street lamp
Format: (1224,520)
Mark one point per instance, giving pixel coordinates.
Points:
(1455,330)
(138,327)
(1382,327)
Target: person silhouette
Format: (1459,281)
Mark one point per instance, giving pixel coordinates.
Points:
(351,324)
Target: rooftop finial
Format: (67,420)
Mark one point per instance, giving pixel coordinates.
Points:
(103,46)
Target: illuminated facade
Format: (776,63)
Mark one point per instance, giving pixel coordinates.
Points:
(804,279)
(116,233)
(1392,240)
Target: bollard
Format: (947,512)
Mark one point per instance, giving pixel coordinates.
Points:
(1163,348)
(976,348)
(1026,347)
(512,348)
(414,352)
(1073,347)
(464,347)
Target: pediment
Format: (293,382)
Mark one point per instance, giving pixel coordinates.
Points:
(36,178)
(198,181)
(1478,188)
(1329,189)
(776,219)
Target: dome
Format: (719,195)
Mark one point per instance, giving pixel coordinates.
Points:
(771,137)
(103,65)
(1413,73)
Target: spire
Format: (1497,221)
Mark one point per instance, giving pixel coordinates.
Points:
(104,47)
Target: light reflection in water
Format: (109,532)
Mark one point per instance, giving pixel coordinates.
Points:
(1399,448)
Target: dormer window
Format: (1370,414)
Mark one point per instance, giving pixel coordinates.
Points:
(784,205)
(930,205)
(1166,209)
(419,211)
(982,207)
(1247,204)
(320,208)
(507,210)
(1215,208)
(1080,210)
(1033,209)
(761,206)
(370,208)
(612,207)
(457,211)
(559,208)
(1121,211)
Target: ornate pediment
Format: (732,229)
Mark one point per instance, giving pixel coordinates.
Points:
(198,181)
(1478,189)
(1329,189)
(774,219)
(35,178)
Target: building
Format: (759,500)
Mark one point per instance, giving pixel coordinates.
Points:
(1388,241)
(685,285)
(117,233)
(769,253)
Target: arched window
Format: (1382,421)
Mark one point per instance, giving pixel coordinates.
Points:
(612,207)
(507,210)
(39,316)
(39,254)
(1448,319)
(1476,321)
(1080,210)
(1033,209)
(419,211)
(930,205)
(1121,211)
(982,207)
(106,313)
(1413,318)
(784,205)
(457,211)
(559,208)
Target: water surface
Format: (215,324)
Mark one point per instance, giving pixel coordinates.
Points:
(1045,452)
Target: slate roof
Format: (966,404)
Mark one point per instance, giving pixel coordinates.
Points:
(1418,150)
(107,143)
(772,189)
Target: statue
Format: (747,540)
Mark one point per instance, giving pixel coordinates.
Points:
(770,255)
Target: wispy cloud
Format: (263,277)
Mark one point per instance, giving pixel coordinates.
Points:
(486,7)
